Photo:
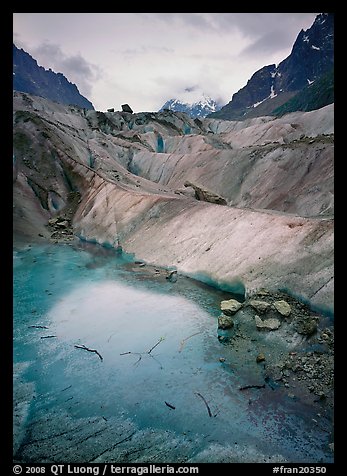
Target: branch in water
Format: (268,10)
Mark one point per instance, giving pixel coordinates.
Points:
(89,350)
(203,399)
(252,386)
(183,341)
(155,345)
(170,406)
(140,354)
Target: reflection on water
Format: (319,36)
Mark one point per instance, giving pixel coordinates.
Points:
(156,353)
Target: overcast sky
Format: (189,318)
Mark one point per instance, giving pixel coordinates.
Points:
(144,59)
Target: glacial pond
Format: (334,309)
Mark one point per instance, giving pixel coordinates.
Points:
(159,386)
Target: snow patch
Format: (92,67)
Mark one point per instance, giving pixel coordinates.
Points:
(272,94)
(321,18)
(275,73)
(257,103)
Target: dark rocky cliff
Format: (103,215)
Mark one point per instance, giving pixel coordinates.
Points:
(29,77)
(311,58)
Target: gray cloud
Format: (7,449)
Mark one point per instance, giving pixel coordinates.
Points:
(250,24)
(146,50)
(269,43)
(197,20)
(75,67)
(17,40)
(189,89)
(281,28)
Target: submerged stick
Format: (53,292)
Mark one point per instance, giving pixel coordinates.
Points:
(140,354)
(203,399)
(252,386)
(138,360)
(169,405)
(39,327)
(67,388)
(47,337)
(155,345)
(89,350)
(183,341)
(108,340)
(158,362)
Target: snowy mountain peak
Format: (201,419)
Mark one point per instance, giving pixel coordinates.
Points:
(200,108)
(311,60)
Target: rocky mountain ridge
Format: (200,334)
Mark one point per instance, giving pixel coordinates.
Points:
(29,77)
(270,87)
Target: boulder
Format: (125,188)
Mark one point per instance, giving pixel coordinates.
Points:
(306,326)
(198,122)
(111,109)
(259,306)
(230,307)
(225,322)
(267,324)
(127,108)
(62,224)
(53,221)
(260,357)
(224,339)
(283,308)
(172,276)
(205,195)
(263,292)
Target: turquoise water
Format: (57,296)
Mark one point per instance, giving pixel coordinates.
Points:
(86,295)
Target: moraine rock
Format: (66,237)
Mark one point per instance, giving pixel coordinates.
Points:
(267,324)
(263,292)
(283,308)
(206,195)
(127,108)
(172,276)
(260,357)
(225,322)
(230,307)
(53,221)
(259,306)
(306,326)
(62,224)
